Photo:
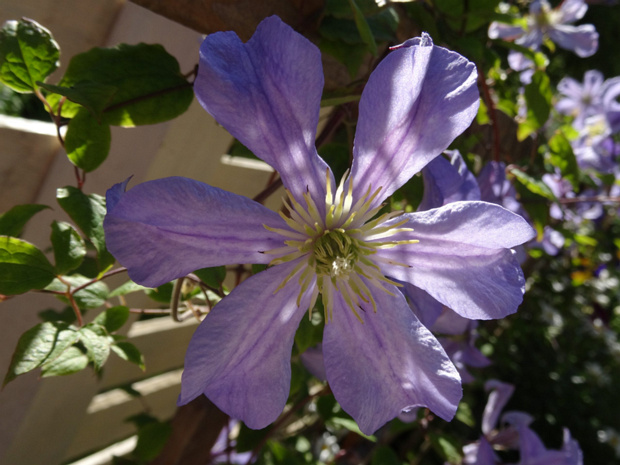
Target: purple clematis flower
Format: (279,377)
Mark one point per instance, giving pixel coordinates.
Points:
(582,100)
(515,433)
(379,359)
(595,148)
(496,188)
(553,23)
(448,181)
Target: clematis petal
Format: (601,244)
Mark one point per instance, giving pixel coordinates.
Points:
(495,188)
(519,62)
(572,10)
(389,363)
(448,181)
(427,309)
(239,357)
(479,453)
(571,449)
(164,229)
(450,322)
(463,257)
(498,398)
(583,40)
(504,31)
(593,84)
(533,451)
(114,194)
(533,39)
(416,102)
(610,103)
(267,94)
(312,359)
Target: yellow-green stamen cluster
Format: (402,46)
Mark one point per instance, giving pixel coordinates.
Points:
(339,247)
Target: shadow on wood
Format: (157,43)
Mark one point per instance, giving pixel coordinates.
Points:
(195,428)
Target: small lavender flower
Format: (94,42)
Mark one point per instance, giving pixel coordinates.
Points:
(595,148)
(611,104)
(220,452)
(515,433)
(581,100)
(480,453)
(447,181)
(496,188)
(544,22)
(552,241)
(563,189)
(332,243)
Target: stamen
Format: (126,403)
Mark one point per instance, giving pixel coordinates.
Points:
(350,298)
(329,199)
(286,258)
(285,232)
(290,275)
(297,207)
(292,224)
(338,253)
(280,250)
(361,211)
(313,299)
(312,209)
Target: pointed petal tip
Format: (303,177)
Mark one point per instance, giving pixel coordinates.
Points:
(114,193)
(425,40)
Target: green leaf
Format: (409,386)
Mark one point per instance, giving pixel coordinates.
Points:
(112,319)
(127,288)
(66,315)
(446,448)
(454,8)
(151,440)
(12,222)
(213,276)
(335,101)
(419,14)
(248,439)
(350,55)
(87,141)
(309,333)
(28,54)
(88,212)
(23,267)
(340,9)
(538,96)
(97,346)
(349,424)
(561,156)
(535,186)
(69,247)
(341,31)
(91,95)
(161,293)
(129,352)
(465,415)
(38,344)
(149,85)
(70,361)
(384,455)
(363,28)
(92,296)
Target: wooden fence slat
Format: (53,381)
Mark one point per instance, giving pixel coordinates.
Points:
(163,344)
(105,420)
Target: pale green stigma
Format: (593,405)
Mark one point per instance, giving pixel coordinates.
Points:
(335,254)
(337,250)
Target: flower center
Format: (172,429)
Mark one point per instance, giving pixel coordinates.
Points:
(337,251)
(335,254)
